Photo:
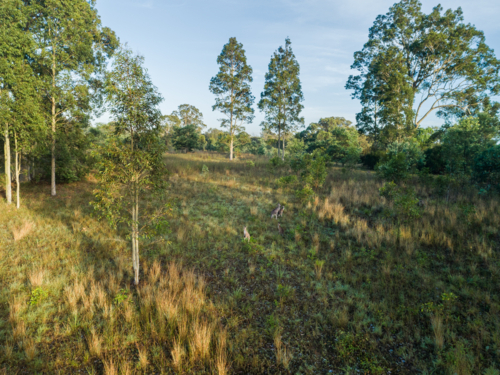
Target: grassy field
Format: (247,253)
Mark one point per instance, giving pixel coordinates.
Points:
(340,293)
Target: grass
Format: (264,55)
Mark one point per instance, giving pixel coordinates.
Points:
(338,292)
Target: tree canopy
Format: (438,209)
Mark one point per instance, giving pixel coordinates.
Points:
(415,63)
(231,86)
(282,95)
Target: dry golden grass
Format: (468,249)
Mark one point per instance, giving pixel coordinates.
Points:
(19,232)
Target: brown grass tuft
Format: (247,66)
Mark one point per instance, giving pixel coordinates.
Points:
(22,231)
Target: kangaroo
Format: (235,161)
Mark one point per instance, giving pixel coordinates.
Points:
(276,211)
(280,213)
(282,232)
(246,235)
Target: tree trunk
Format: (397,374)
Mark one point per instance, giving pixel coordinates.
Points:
(6,149)
(283,147)
(279,140)
(231,149)
(53,151)
(136,276)
(18,169)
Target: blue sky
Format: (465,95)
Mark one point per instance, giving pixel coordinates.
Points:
(181,39)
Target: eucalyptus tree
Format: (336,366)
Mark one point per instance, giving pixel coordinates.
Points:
(415,64)
(19,95)
(282,95)
(231,87)
(188,114)
(131,163)
(72,48)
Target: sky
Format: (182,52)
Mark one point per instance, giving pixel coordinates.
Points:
(181,39)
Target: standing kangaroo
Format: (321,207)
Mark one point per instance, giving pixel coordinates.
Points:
(276,211)
(246,235)
(280,213)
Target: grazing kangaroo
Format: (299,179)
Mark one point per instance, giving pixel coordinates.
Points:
(280,213)
(246,234)
(282,232)
(276,211)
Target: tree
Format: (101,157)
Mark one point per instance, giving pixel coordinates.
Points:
(464,141)
(414,64)
(19,97)
(187,115)
(131,167)
(186,138)
(336,137)
(231,86)
(72,48)
(282,93)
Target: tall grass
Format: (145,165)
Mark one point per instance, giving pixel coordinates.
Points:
(339,291)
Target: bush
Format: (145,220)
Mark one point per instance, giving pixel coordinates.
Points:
(486,168)
(275,163)
(371,159)
(287,181)
(434,159)
(401,160)
(304,194)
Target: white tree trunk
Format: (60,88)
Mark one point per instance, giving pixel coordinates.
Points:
(53,151)
(17,170)
(6,149)
(231,149)
(135,237)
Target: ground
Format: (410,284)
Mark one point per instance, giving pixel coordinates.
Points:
(346,290)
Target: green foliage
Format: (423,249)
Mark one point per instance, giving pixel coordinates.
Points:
(404,199)
(486,168)
(311,168)
(372,158)
(186,138)
(401,159)
(37,296)
(186,115)
(304,194)
(275,163)
(73,159)
(133,164)
(250,163)
(287,181)
(204,170)
(282,95)
(122,295)
(414,64)
(336,137)
(464,141)
(231,86)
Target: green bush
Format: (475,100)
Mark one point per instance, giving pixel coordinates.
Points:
(486,168)
(371,159)
(401,160)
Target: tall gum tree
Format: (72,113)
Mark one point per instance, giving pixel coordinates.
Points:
(231,87)
(72,50)
(188,114)
(131,163)
(415,63)
(282,95)
(19,99)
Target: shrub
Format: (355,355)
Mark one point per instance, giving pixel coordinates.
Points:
(371,159)
(304,194)
(486,168)
(287,181)
(401,160)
